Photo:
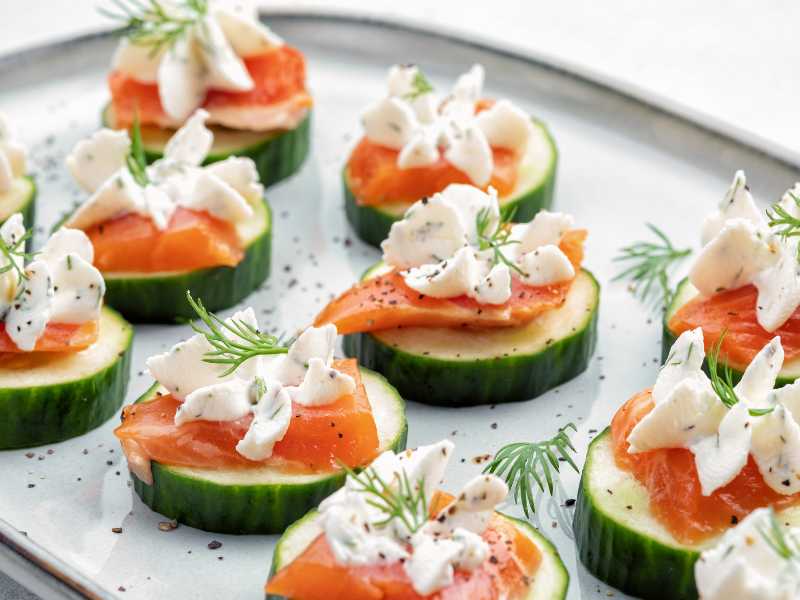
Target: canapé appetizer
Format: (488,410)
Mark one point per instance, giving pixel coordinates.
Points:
(240,434)
(389,534)
(64,357)
(417,142)
(172,226)
(177,56)
(467,308)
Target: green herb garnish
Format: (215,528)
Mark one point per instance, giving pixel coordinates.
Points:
(154,23)
(13,252)
(496,239)
(785,224)
(234,343)
(649,271)
(136,160)
(406,503)
(523,464)
(419,86)
(722,383)
(785,546)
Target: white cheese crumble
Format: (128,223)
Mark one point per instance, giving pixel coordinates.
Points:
(13,155)
(208,56)
(59,286)
(358,532)
(746,565)
(740,249)
(425,127)
(689,414)
(437,247)
(264,386)
(224,190)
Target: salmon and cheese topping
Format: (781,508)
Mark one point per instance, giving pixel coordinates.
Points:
(52,303)
(13,156)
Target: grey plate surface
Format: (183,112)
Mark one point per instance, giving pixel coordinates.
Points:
(622,163)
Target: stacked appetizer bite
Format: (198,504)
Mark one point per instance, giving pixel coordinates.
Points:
(65,356)
(173,226)
(182,55)
(682,464)
(17,189)
(389,534)
(467,308)
(240,434)
(745,283)
(417,142)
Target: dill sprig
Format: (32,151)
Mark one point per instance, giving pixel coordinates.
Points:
(786,225)
(155,24)
(496,239)
(650,263)
(136,160)
(722,383)
(234,342)
(523,464)
(407,503)
(419,86)
(785,546)
(15,251)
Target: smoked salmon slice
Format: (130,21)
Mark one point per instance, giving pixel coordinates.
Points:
(315,574)
(734,312)
(673,487)
(57,337)
(386,302)
(318,437)
(192,240)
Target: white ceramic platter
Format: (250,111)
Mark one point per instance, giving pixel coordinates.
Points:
(622,163)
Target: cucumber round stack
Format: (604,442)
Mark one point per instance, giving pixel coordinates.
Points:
(161,297)
(49,397)
(622,543)
(550,582)
(277,154)
(461,367)
(536,183)
(21,198)
(261,500)
(683,294)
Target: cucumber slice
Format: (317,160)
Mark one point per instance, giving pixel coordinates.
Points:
(622,543)
(260,500)
(21,198)
(460,367)
(685,292)
(534,191)
(49,397)
(161,297)
(277,154)
(550,582)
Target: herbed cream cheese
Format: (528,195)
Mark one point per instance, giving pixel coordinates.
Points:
(359,532)
(264,386)
(424,126)
(100,165)
(441,246)
(13,155)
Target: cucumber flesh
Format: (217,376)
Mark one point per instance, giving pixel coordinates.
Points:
(161,297)
(224,500)
(49,397)
(277,154)
(533,192)
(686,292)
(461,367)
(622,543)
(549,582)
(21,198)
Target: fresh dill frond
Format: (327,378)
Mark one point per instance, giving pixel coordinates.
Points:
(496,238)
(136,160)
(419,86)
(14,252)
(785,225)
(722,382)
(785,546)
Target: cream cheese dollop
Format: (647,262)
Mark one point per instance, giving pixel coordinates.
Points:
(263,386)
(59,285)
(209,55)
(225,190)
(689,414)
(740,249)
(425,127)
(359,534)
(437,247)
(745,564)
(13,156)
